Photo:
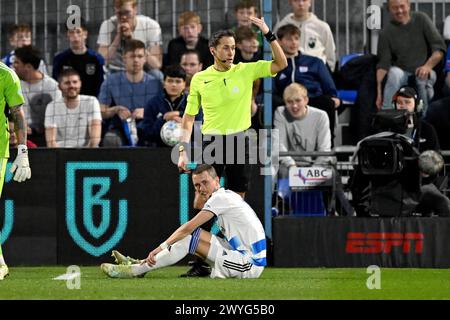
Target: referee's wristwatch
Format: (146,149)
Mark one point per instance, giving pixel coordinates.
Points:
(181,147)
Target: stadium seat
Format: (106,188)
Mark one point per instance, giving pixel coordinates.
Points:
(308,203)
(348,96)
(305,203)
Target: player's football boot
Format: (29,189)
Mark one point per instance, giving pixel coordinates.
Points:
(121,259)
(117,271)
(3,271)
(198,268)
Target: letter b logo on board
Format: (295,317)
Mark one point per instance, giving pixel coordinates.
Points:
(90,211)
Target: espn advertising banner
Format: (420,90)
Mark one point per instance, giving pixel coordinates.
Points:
(337,242)
(82,203)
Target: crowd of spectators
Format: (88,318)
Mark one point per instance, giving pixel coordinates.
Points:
(127,73)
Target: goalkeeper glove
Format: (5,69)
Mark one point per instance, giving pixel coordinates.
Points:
(21,165)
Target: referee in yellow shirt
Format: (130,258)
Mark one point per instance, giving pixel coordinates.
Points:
(224,92)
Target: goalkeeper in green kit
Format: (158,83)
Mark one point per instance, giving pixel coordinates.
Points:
(11,94)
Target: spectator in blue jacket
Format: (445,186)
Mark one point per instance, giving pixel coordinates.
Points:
(309,71)
(88,63)
(170,105)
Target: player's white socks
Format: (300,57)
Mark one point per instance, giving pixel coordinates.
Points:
(2,260)
(166,257)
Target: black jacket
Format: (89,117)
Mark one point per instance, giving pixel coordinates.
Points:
(177,47)
(438,115)
(360,74)
(150,127)
(428,137)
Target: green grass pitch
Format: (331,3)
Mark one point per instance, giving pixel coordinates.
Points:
(275,284)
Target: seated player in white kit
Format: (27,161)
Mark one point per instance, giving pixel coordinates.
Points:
(241,255)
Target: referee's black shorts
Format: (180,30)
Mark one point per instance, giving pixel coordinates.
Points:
(232,160)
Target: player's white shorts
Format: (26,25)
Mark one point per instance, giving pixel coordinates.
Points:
(229,263)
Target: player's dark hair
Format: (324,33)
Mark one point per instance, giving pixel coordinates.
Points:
(215,38)
(288,30)
(205,167)
(175,72)
(67,73)
(29,54)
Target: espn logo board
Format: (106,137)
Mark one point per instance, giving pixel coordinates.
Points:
(359,242)
(384,242)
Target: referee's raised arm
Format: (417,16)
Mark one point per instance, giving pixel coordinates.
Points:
(279,59)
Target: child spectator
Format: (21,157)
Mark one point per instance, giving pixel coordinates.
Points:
(317,39)
(189,28)
(19,37)
(244,10)
(303,128)
(309,71)
(166,107)
(246,46)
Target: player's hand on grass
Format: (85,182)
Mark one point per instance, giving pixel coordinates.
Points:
(21,165)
